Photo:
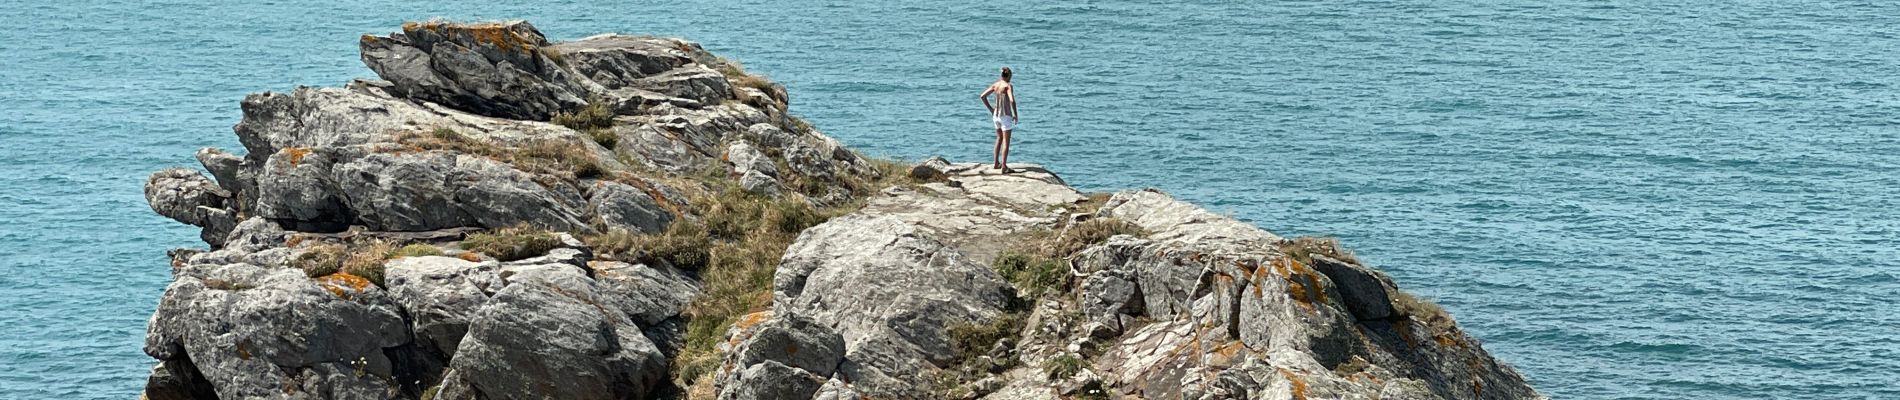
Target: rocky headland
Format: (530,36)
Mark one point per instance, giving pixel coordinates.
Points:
(503,217)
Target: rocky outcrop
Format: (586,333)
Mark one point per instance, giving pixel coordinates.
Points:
(418,236)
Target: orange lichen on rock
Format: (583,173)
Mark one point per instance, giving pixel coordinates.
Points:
(1299,386)
(469,256)
(337,283)
(296,154)
(244,350)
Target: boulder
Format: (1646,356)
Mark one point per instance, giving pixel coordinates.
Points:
(894,330)
(1363,290)
(492,69)
(785,357)
(621,61)
(552,324)
(187,196)
(441,296)
(930,169)
(267,332)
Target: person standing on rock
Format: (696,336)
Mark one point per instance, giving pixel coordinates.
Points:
(1003,113)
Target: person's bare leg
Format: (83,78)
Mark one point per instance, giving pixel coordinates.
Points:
(996,156)
(1005,161)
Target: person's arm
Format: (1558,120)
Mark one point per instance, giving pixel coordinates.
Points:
(985,97)
(1012,104)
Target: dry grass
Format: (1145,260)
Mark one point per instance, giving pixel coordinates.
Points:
(1032,275)
(416,250)
(512,243)
(1063,366)
(1427,312)
(319,260)
(366,260)
(596,114)
(1303,248)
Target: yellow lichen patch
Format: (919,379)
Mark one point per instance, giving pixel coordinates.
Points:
(469,256)
(296,154)
(1299,386)
(294,240)
(369,39)
(337,283)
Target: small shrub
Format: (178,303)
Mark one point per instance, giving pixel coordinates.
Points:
(973,340)
(595,115)
(554,156)
(1425,311)
(1063,366)
(1033,276)
(737,74)
(606,137)
(319,260)
(513,243)
(416,250)
(366,261)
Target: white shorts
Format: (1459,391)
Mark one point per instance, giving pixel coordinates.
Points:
(1004,122)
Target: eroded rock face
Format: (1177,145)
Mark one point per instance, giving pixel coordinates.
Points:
(253,331)
(492,69)
(552,332)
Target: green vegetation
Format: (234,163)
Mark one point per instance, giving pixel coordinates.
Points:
(1032,275)
(512,243)
(319,260)
(1063,366)
(973,340)
(596,119)
(366,260)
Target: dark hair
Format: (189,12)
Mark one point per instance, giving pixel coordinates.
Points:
(1005,73)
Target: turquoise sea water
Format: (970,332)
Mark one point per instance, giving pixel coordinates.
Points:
(1623,198)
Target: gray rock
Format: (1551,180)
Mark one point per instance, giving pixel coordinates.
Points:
(655,293)
(1109,295)
(626,207)
(620,61)
(492,69)
(177,380)
(895,328)
(441,296)
(551,323)
(745,158)
(496,195)
(770,380)
(930,169)
(1363,290)
(188,197)
(692,82)
(295,188)
(228,169)
(791,340)
(403,192)
(256,332)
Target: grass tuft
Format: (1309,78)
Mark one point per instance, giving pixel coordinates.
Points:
(319,260)
(1303,248)
(1063,366)
(596,114)
(366,260)
(1032,275)
(512,243)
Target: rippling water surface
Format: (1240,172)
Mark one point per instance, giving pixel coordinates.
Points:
(1623,198)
